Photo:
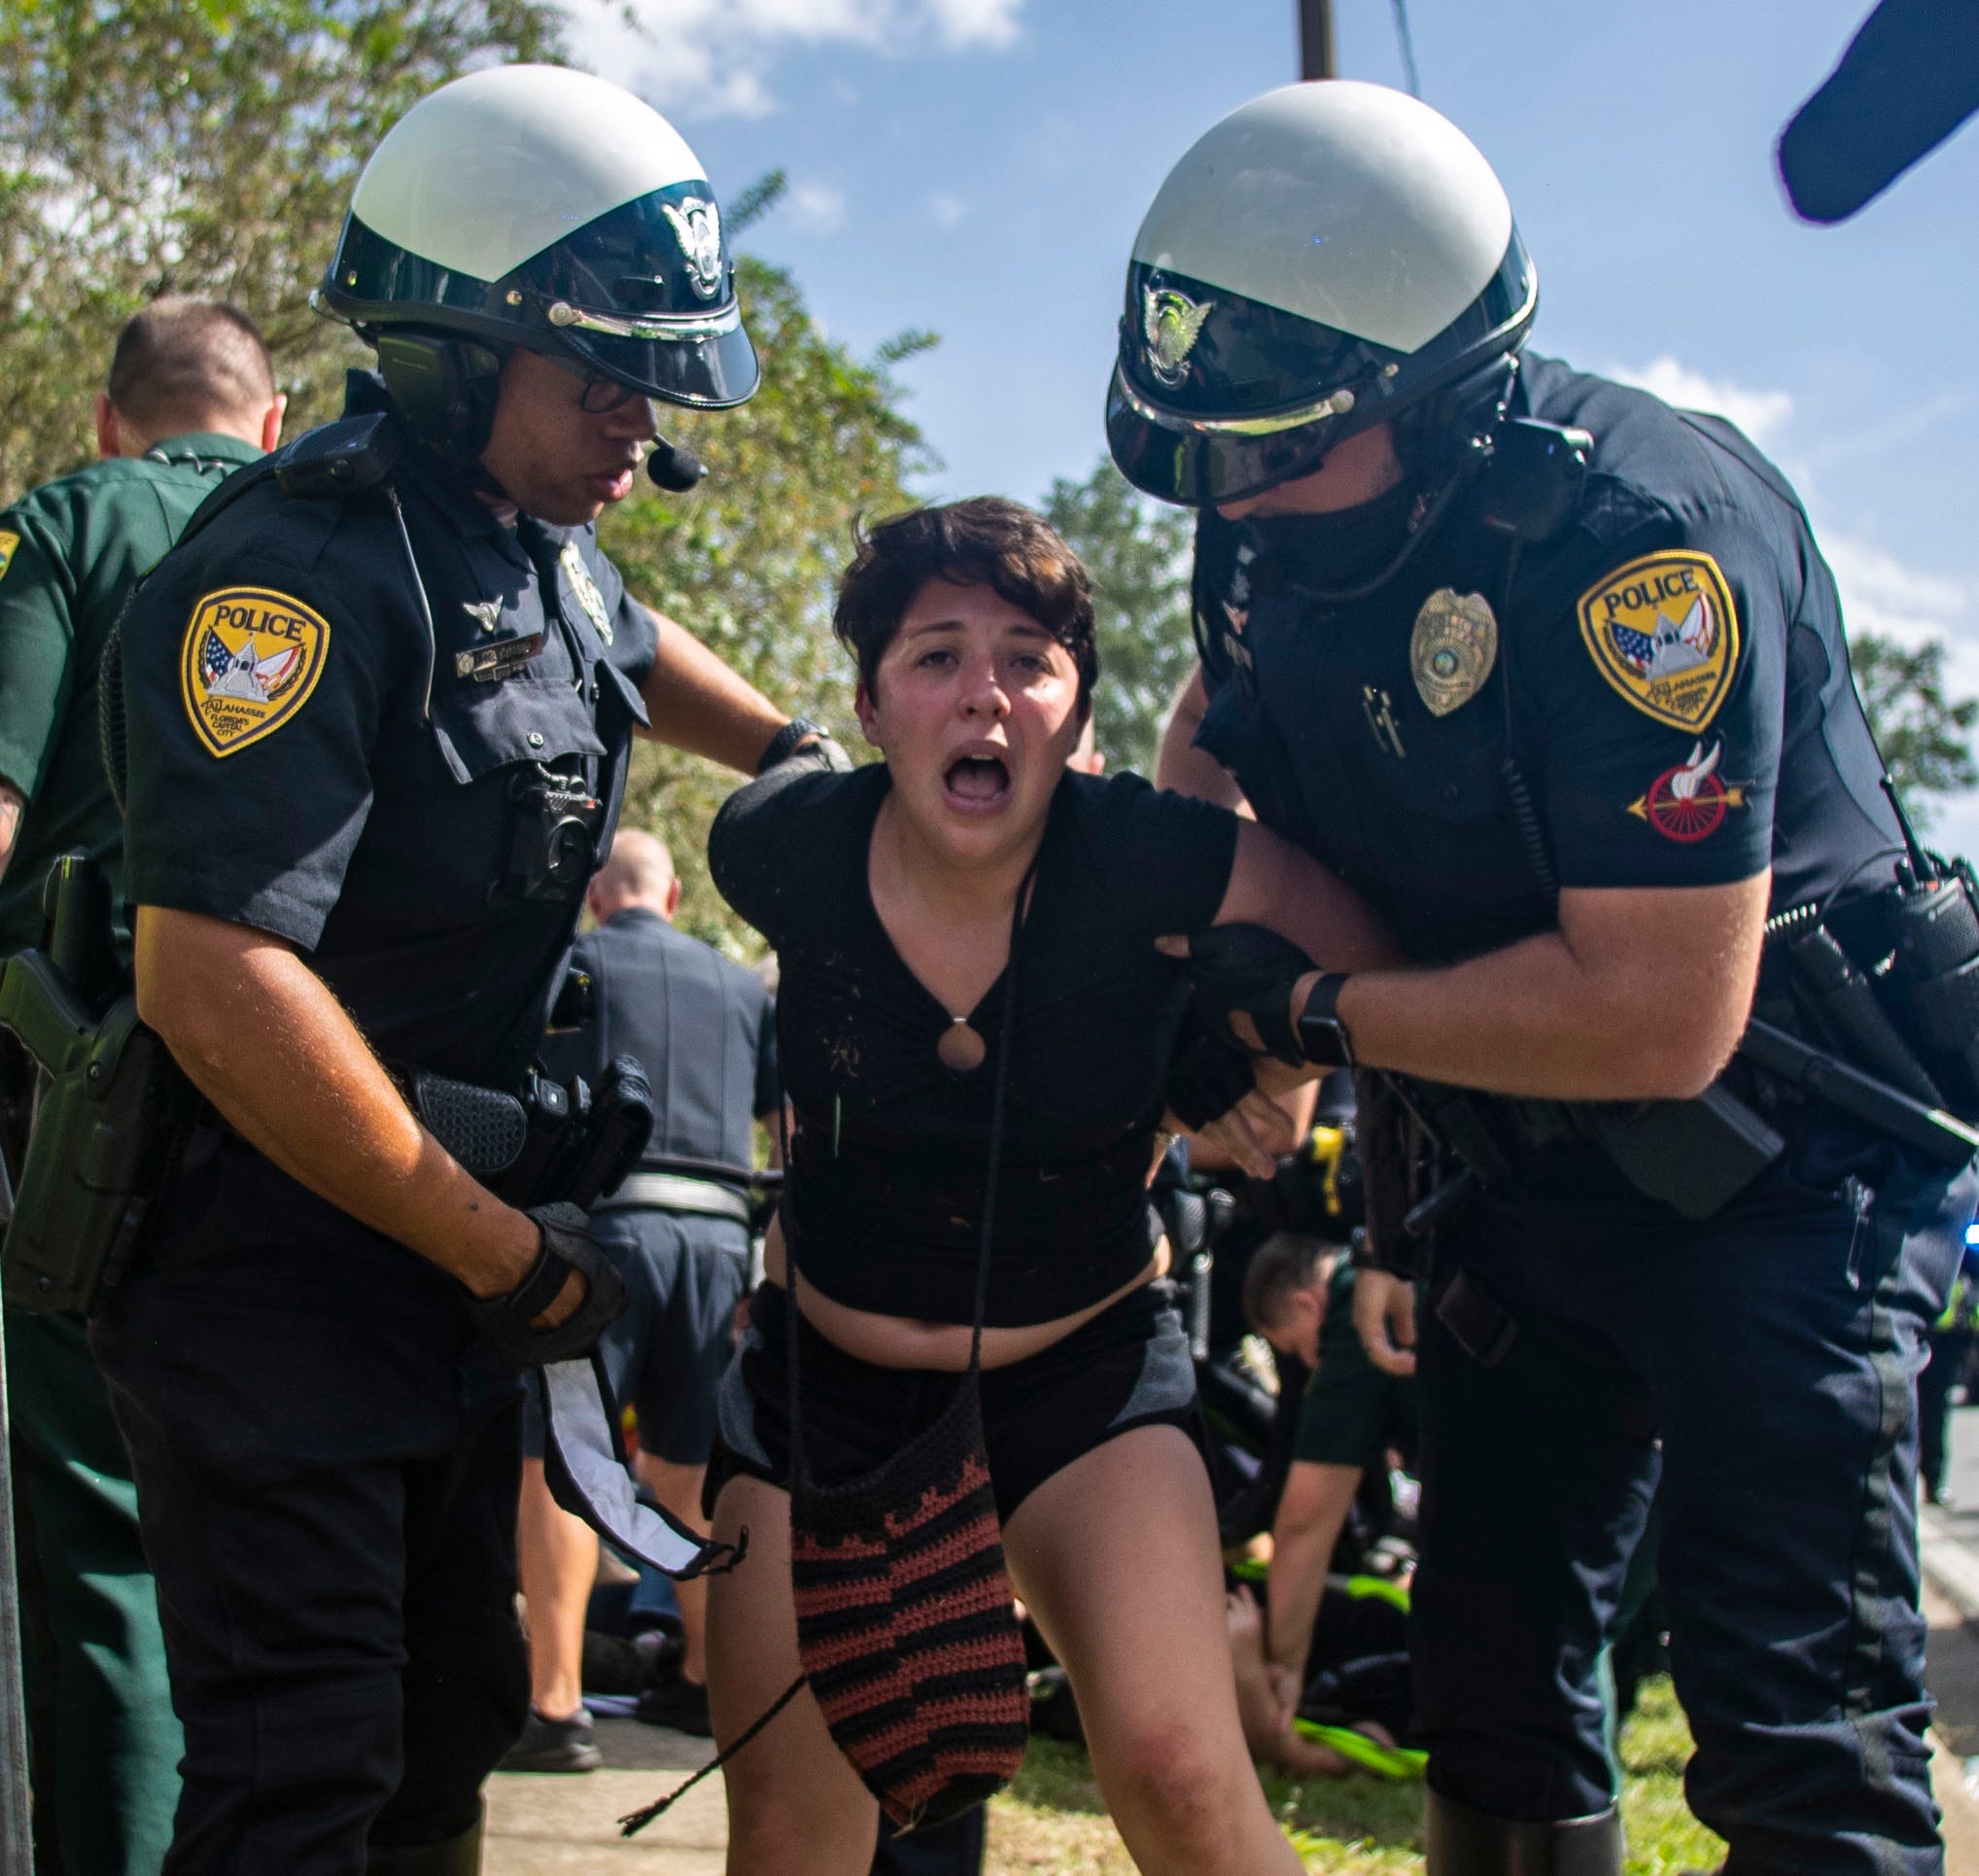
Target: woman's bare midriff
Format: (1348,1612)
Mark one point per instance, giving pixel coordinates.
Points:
(905,1342)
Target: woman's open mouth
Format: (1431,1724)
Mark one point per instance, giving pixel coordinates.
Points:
(976,784)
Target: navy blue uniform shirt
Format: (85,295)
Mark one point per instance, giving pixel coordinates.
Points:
(308,757)
(702,1028)
(1669,677)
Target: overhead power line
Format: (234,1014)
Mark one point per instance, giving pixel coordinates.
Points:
(1406,40)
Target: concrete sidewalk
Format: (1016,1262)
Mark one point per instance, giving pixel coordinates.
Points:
(550,1825)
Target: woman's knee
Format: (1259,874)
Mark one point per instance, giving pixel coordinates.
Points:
(1178,1780)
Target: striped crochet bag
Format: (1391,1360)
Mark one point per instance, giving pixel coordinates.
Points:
(905,1624)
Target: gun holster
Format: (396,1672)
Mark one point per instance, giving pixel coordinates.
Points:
(109,1123)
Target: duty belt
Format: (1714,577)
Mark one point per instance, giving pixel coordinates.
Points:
(676,1192)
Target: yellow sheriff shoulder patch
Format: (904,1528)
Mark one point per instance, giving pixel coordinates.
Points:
(1663,631)
(8,544)
(250,660)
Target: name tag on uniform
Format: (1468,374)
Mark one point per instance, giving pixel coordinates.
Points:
(490,663)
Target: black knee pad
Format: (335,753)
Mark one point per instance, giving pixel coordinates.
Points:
(1463,1842)
(456,1855)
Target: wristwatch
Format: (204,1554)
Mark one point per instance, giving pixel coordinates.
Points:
(797,730)
(1323,1038)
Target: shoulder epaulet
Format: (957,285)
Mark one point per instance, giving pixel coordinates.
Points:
(339,458)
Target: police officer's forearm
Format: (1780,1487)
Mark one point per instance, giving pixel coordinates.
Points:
(1180,765)
(13,805)
(1640,996)
(695,702)
(263,1037)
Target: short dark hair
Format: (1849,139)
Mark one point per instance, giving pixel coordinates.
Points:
(182,363)
(983,542)
(1285,1262)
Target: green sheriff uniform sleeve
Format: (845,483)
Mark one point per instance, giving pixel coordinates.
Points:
(36,638)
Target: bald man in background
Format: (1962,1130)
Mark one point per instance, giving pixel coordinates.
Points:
(678,1230)
(191,398)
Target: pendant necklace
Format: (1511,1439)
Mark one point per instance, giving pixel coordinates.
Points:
(960,1047)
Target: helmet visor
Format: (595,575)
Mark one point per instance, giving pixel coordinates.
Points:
(708,362)
(1216,397)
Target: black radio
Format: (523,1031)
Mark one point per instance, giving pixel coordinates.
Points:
(551,1140)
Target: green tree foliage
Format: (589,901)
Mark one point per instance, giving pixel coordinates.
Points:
(749,559)
(196,146)
(1925,734)
(1139,553)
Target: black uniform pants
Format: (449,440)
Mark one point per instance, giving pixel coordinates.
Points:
(1763,1365)
(326,1474)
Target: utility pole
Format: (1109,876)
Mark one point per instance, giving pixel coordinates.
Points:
(1315,39)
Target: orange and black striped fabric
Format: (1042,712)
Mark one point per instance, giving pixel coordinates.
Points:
(905,1622)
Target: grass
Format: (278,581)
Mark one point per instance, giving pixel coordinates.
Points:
(1053,1818)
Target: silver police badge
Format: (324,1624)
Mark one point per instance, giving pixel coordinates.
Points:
(586,589)
(1172,323)
(697,225)
(1452,648)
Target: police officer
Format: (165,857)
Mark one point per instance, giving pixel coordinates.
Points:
(678,1230)
(380,706)
(1588,698)
(191,398)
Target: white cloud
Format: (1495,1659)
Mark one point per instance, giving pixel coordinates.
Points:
(1880,593)
(703,58)
(1760,414)
(947,210)
(818,208)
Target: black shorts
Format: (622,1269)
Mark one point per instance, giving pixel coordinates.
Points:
(684,1276)
(1126,1367)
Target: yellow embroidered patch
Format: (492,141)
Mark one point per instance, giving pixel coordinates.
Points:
(1663,631)
(250,660)
(8,544)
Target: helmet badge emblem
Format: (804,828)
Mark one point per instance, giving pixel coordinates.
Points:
(697,225)
(1172,323)
(1452,648)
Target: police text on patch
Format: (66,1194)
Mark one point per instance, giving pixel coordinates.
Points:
(1663,631)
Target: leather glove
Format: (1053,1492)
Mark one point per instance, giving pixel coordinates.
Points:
(503,1321)
(1206,1081)
(1247,968)
(823,751)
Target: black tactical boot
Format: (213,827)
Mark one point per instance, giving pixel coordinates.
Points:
(1463,1842)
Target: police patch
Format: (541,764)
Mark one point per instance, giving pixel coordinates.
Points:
(1662,630)
(8,544)
(250,660)
(586,589)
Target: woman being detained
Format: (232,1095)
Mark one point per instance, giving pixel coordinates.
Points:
(891,895)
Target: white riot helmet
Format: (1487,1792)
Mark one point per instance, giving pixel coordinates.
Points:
(537,206)
(1325,256)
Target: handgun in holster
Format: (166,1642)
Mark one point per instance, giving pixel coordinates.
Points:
(111,1108)
(551,1140)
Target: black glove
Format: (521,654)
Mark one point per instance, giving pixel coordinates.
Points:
(1206,1082)
(503,1321)
(823,751)
(1247,968)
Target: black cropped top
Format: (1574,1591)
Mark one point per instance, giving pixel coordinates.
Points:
(887,1162)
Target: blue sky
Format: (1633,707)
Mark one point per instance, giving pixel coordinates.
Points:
(980,166)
